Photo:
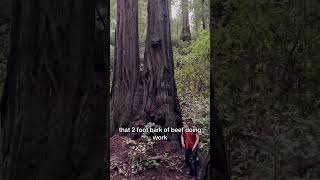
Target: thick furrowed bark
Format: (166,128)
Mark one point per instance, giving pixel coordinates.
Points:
(53,109)
(126,72)
(159,85)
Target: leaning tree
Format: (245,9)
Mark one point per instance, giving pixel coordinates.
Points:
(53,108)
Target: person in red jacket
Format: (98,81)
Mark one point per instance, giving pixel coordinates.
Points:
(190,141)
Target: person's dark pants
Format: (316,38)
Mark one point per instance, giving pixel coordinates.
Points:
(193,164)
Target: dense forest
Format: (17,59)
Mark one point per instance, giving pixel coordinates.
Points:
(266,71)
(160,75)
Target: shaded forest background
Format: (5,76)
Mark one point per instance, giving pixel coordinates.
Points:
(266,68)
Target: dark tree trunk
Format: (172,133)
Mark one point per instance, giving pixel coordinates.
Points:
(204,26)
(126,69)
(53,108)
(102,55)
(217,167)
(216,164)
(160,89)
(219,163)
(203,19)
(185,33)
(170,9)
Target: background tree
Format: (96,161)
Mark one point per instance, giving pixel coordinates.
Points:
(267,86)
(196,8)
(159,86)
(175,23)
(126,66)
(204,13)
(185,32)
(53,107)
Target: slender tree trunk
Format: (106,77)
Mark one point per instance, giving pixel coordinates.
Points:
(53,108)
(170,8)
(204,26)
(126,70)
(203,19)
(185,33)
(197,12)
(159,87)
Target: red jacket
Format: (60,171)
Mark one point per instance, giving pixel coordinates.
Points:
(189,139)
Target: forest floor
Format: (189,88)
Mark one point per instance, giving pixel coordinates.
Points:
(170,161)
(144,158)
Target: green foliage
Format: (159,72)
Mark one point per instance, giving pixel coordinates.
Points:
(140,152)
(200,9)
(197,107)
(192,74)
(266,69)
(139,157)
(176,29)
(192,66)
(142,20)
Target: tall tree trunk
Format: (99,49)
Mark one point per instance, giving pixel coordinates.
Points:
(126,70)
(170,9)
(219,163)
(217,167)
(102,52)
(159,87)
(203,18)
(53,108)
(185,33)
(216,163)
(196,15)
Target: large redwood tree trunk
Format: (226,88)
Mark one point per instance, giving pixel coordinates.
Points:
(53,108)
(126,68)
(216,167)
(185,32)
(159,85)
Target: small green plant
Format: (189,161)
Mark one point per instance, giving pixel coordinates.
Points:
(192,66)
(139,153)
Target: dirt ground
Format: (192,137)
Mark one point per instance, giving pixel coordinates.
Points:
(120,168)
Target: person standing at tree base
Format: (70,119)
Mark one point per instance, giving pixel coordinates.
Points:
(190,141)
